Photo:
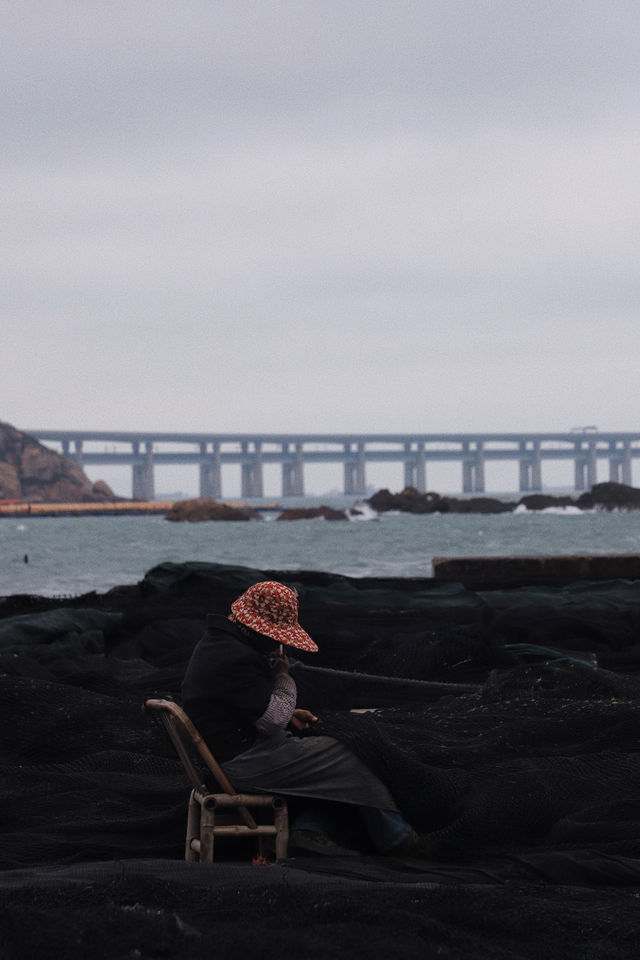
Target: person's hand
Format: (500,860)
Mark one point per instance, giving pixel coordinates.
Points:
(302,719)
(279,662)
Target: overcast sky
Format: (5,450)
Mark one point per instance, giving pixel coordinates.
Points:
(322,215)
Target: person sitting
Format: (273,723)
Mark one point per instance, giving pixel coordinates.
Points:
(239,693)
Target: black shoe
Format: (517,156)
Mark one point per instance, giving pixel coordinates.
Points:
(313,841)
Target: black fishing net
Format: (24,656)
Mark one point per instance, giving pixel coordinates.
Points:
(505,724)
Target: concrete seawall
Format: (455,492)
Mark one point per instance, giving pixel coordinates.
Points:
(539,569)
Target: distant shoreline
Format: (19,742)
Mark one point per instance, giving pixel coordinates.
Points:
(110,508)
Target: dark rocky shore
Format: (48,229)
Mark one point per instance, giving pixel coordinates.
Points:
(507,729)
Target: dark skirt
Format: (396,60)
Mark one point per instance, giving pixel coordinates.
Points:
(319,767)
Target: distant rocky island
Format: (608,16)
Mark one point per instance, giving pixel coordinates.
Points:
(33,473)
(603,496)
(201,509)
(205,508)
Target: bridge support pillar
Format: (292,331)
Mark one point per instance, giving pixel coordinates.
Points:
(409,474)
(293,473)
(524,476)
(78,454)
(620,463)
(349,477)
(530,466)
(361,475)
(585,467)
(210,472)
(536,468)
(143,481)
(355,480)
(251,472)
(473,469)
(592,467)
(415,469)
(626,464)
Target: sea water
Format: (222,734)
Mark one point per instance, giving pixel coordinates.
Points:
(65,556)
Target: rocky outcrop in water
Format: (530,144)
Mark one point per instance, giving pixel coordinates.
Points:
(542,501)
(603,496)
(411,501)
(610,496)
(204,508)
(32,472)
(312,513)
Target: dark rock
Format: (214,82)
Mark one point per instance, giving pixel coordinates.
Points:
(382,501)
(312,513)
(610,496)
(204,508)
(30,471)
(101,491)
(607,496)
(411,501)
(541,501)
(408,501)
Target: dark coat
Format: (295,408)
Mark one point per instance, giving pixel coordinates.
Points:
(226,688)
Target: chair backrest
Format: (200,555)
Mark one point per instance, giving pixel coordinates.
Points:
(182,731)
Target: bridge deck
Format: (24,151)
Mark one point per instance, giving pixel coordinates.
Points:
(210,452)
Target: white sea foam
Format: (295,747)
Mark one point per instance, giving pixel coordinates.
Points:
(568,511)
(362,511)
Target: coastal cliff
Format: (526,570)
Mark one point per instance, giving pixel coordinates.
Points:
(30,471)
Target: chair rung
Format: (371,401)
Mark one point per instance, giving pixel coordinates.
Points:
(237,799)
(239,829)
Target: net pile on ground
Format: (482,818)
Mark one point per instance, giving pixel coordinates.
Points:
(506,728)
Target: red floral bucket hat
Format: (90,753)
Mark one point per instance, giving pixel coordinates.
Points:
(271,608)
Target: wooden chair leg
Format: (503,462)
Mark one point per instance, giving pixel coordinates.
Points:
(193,828)
(207,824)
(281,823)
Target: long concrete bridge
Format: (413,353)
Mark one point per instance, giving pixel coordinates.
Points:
(211,452)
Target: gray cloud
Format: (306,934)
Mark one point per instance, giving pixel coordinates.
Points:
(408,215)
